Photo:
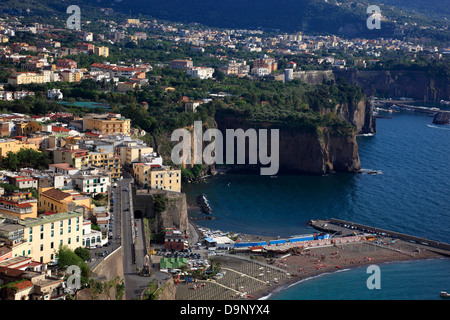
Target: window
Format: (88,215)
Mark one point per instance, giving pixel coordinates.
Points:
(42,227)
(68,241)
(78,238)
(52,233)
(69,229)
(51,245)
(42,235)
(70,221)
(78,227)
(61,231)
(31,230)
(42,247)
(52,225)
(61,223)
(31,238)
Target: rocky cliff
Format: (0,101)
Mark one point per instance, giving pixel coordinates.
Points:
(442,117)
(322,151)
(358,114)
(397,83)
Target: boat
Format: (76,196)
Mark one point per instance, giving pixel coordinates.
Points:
(444,294)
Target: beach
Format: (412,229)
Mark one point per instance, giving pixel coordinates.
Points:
(256,275)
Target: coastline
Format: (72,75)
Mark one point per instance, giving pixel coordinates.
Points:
(322,260)
(268,293)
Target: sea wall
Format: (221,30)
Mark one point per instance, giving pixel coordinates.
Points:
(175,215)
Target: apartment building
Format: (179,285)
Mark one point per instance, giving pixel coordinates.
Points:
(19,78)
(156,176)
(46,233)
(7,145)
(54,200)
(131,151)
(107,124)
(200,72)
(181,64)
(101,51)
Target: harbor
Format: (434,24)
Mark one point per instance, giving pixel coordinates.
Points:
(252,267)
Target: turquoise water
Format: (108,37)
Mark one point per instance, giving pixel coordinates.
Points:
(411,195)
(85,104)
(411,280)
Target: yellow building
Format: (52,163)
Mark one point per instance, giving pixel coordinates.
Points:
(131,152)
(155,176)
(101,51)
(107,124)
(19,205)
(71,155)
(25,127)
(105,160)
(45,234)
(127,86)
(19,78)
(7,145)
(54,200)
(71,76)
(133,21)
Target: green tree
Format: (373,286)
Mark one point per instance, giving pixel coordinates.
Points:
(83,253)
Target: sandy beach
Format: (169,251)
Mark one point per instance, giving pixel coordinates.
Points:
(253,276)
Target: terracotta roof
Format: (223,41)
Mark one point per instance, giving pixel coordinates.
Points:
(56,194)
(23,285)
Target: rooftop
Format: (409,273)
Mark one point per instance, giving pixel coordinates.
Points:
(50,218)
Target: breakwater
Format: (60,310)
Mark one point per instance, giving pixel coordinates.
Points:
(337,225)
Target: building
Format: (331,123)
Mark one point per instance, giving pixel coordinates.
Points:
(71,155)
(107,124)
(92,183)
(127,86)
(45,234)
(22,284)
(181,64)
(266,62)
(156,176)
(87,48)
(101,51)
(12,145)
(92,238)
(55,94)
(66,64)
(200,72)
(73,75)
(54,200)
(175,240)
(19,78)
(132,151)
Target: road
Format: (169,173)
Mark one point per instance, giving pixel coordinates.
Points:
(133,247)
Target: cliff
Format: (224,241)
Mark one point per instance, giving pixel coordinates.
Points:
(306,151)
(358,114)
(399,83)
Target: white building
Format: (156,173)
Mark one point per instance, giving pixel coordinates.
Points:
(200,72)
(260,72)
(92,238)
(54,94)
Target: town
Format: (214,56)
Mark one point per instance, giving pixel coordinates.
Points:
(80,175)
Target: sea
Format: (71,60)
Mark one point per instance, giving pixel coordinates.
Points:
(409,194)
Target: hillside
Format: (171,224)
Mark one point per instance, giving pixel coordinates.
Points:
(345,17)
